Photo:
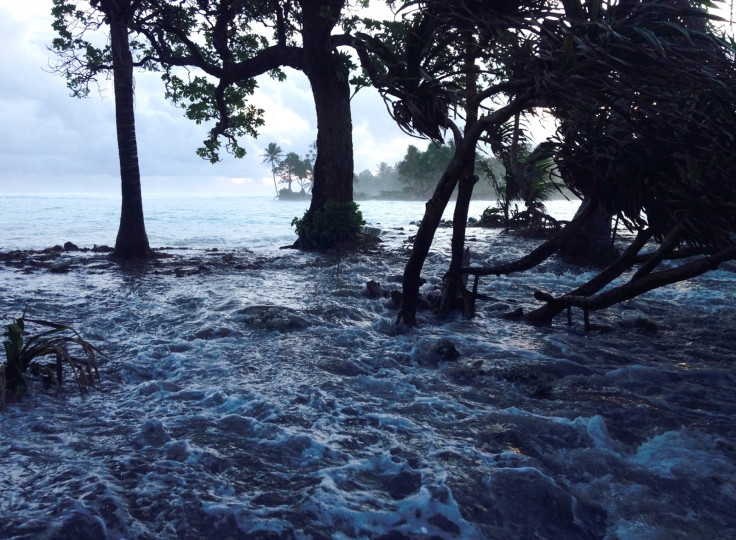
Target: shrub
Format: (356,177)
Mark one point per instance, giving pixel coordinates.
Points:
(333,225)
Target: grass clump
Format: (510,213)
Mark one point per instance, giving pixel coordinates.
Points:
(25,352)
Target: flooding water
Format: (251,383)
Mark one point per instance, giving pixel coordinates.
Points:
(258,393)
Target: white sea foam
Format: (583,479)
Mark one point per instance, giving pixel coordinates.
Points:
(267,392)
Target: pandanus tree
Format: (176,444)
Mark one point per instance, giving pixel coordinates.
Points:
(647,131)
(81,62)
(437,65)
(642,92)
(227,44)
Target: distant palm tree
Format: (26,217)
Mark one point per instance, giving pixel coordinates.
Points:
(272,156)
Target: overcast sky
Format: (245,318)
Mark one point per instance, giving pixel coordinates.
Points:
(53,143)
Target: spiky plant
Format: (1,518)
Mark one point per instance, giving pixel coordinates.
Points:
(24,353)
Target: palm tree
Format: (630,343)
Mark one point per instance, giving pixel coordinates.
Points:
(82,63)
(272,156)
(132,240)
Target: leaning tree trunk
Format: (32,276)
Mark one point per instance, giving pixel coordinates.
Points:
(425,234)
(131,241)
(453,286)
(329,78)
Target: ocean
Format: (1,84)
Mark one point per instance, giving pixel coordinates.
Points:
(253,392)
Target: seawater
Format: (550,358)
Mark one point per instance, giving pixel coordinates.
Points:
(252,392)
(35,222)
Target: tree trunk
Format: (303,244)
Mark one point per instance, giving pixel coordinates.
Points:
(131,241)
(545,314)
(329,78)
(593,244)
(425,234)
(454,286)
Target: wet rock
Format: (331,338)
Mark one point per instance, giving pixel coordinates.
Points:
(517,314)
(70,246)
(208,333)
(61,266)
(177,451)
(272,318)
(374,232)
(153,433)
(403,484)
(373,289)
(445,349)
(81,526)
(101,249)
(397,297)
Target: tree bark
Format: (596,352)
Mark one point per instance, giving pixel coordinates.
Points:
(131,241)
(454,285)
(434,209)
(329,78)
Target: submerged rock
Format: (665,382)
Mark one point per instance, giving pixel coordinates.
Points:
(152,433)
(445,349)
(373,289)
(280,319)
(403,484)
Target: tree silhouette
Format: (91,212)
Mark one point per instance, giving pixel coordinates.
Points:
(81,63)
(272,155)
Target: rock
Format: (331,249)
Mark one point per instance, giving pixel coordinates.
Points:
(517,314)
(69,246)
(375,232)
(152,433)
(60,266)
(403,484)
(373,289)
(445,349)
(276,318)
(102,249)
(81,526)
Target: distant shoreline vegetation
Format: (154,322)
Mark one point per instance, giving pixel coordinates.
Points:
(403,196)
(288,195)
